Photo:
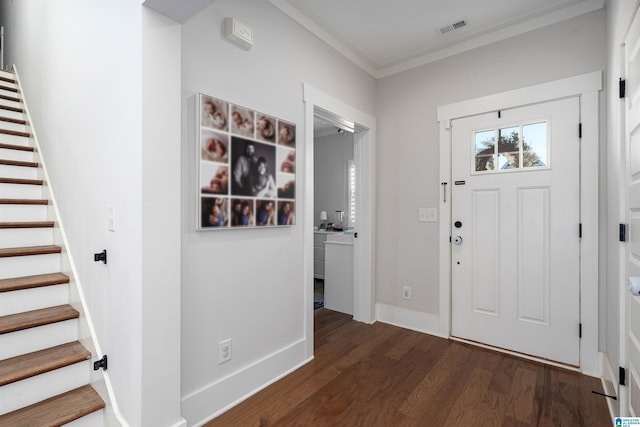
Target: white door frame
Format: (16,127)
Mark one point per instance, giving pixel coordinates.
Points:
(364,143)
(586,86)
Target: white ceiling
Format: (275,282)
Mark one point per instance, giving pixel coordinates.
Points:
(385,37)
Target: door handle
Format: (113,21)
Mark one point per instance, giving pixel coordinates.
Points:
(457,240)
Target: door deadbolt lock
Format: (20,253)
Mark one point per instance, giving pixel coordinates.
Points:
(457,224)
(457,240)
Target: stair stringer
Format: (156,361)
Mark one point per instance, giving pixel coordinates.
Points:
(86,332)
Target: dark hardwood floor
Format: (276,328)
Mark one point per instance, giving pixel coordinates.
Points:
(382,375)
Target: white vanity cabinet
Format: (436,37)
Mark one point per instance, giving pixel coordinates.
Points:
(319,237)
(338,282)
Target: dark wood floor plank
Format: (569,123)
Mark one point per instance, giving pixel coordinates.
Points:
(432,398)
(464,410)
(384,376)
(523,395)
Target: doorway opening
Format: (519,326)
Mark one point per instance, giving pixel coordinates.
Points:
(319,105)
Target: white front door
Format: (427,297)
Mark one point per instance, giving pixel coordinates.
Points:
(632,120)
(515,229)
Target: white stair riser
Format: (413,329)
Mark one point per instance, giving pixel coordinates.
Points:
(33,299)
(23,172)
(12,104)
(12,126)
(20,237)
(31,390)
(29,265)
(35,339)
(10,93)
(12,114)
(7,75)
(92,420)
(23,156)
(14,140)
(20,191)
(7,84)
(10,213)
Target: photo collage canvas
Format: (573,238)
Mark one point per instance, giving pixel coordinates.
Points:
(247,165)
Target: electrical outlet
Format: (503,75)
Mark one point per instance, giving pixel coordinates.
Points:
(427,215)
(406,292)
(225,351)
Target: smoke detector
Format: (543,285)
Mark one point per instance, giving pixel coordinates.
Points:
(452,27)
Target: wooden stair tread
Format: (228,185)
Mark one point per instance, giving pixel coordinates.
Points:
(10,98)
(7,79)
(9,89)
(24,202)
(27,224)
(35,281)
(39,362)
(14,109)
(16,147)
(15,133)
(11,120)
(30,250)
(18,163)
(56,411)
(21,181)
(35,318)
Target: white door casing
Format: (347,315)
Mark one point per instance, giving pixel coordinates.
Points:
(631,113)
(364,127)
(515,273)
(586,87)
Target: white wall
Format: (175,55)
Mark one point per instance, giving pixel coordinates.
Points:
(82,70)
(408,158)
(161,220)
(331,158)
(248,285)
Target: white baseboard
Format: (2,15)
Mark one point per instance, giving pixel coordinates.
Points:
(409,319)
(218,397)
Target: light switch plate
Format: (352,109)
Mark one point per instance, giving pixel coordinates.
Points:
(427,215)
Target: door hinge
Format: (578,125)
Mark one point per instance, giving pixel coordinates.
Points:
(580,230)
(622,88)
(102,363)
(579,130)
(622,374)
(623,232)
(579,330)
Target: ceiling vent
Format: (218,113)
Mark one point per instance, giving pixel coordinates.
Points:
(452,27)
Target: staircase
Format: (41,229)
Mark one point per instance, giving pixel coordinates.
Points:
(44,370)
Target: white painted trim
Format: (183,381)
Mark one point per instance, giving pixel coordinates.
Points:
(587,86)
(445,227)
(590,357)
(364,142)
(409,319)
(609,378)
(364,252)
(556,89)
(225,393)
(112,404)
